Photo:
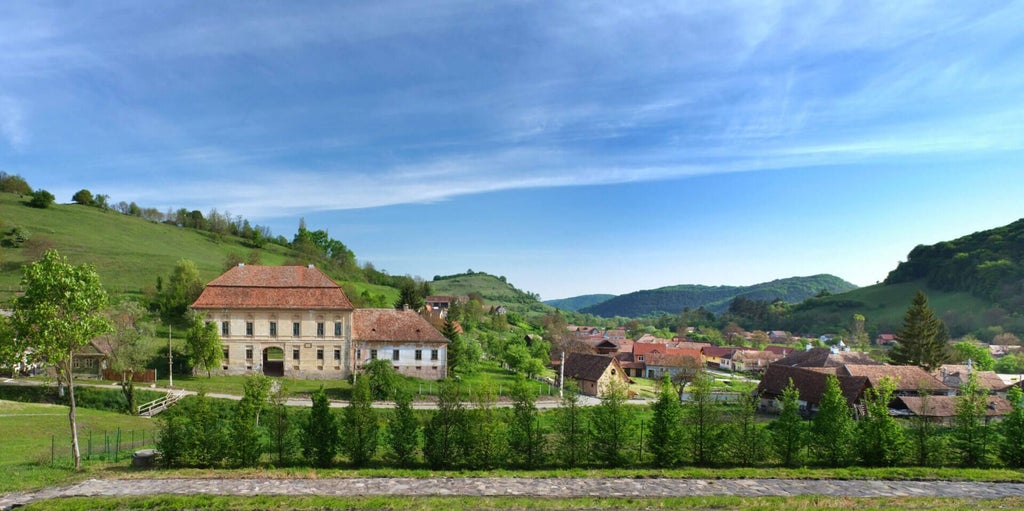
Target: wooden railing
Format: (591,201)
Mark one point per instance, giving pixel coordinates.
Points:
(160,404)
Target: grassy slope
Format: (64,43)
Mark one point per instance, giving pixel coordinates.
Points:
(27,432)
(128,252)
(578,302)
(883,307)
(494,291)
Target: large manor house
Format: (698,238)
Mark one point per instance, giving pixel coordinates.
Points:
(295,321)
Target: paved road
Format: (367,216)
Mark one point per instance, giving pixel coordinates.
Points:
(542,487)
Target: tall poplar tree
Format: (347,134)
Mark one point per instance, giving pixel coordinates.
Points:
(361,429)
(320,438)
(58,313)
(922,338)
(525,436)
(788,429)
(571,427)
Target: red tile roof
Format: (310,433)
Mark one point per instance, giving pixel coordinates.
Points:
(393,325)
(273,287)
(906,378)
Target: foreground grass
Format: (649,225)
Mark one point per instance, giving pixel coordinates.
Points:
(168,502)
(33,433)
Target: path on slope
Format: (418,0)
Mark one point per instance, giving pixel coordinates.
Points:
(540,487)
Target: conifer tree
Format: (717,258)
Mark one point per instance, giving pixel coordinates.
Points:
(361,428)
(788,429)
(668,434)
(1011,447)
(320,439)
(525,436)
(881,441)
(972,436)
(247,439)
(703,417)
(205,441)
(283,438)
(612,427)
(924,442)
(747,442)
(485,432)
(832,429)
(403,430)
(443,442)
(922,338)
(572,439)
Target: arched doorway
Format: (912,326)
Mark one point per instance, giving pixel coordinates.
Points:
(273,361)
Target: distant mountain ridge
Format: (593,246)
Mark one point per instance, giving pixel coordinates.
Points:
(576,303)
(675,299)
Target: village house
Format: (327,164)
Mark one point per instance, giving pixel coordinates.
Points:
(955,375)
(295,321)
(593,373)
(750,361)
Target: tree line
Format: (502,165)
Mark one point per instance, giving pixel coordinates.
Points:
(473,433)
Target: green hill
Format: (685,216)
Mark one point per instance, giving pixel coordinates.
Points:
(988,264)
(494,290)
(129,252)
(576,303)
(675,299)
(975,283)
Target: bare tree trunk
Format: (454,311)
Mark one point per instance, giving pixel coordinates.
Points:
(69,377)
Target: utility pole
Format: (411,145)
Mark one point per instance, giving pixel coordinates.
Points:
(170,359)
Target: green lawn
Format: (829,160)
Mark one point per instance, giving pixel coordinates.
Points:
(35,433)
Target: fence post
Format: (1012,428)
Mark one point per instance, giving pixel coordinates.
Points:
(88,452)
(117,446)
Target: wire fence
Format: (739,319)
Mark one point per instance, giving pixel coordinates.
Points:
(106,445)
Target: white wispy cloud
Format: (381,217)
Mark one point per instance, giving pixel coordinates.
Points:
(13,123)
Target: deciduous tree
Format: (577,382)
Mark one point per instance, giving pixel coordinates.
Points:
(612,427)
(788,430)
(403,430)
(525,436)
(202,345)
(881,441)
(59,312)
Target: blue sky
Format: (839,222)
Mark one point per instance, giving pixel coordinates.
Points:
(572,147)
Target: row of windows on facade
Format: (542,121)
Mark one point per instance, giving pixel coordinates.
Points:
(395,354)
(225,329)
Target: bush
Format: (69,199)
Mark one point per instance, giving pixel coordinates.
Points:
(41,199)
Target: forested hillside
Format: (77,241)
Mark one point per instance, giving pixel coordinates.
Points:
(578,302)
(987,264)
(675,299)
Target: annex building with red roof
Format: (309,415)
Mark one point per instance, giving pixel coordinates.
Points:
(295,321)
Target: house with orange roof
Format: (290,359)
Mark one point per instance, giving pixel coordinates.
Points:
(295,321)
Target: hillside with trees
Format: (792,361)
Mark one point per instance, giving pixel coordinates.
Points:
(674,299)
(578,302)
(492,290)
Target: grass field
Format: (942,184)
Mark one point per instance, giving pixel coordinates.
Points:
(32,433)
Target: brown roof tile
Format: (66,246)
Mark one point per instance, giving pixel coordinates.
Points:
(273,287)
(945,406)
(823,357)
(810,383)
(907,378)
(392,325)
(584,366)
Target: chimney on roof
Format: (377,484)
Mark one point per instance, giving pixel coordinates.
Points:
(241,265)
(405,307)
(807,347)
(311,266)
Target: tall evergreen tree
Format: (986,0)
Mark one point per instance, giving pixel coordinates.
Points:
(612,427)
(881,441)
(205,441)
(457,348)
(924,443)
(668,434)
(361,429)
(922,338)
(403,430)
(703,417)
(283,438)
(443,442)
(747,442)
(1011,447)
(572,439)
(247,438)
(832,429)
(972,436)
(525,436)
(788,430)
(320,439)
(485,432)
